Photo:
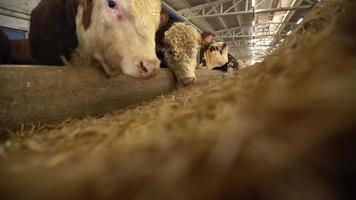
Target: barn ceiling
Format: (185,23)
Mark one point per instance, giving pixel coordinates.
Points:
(252,28)
(17,7)
(15,14)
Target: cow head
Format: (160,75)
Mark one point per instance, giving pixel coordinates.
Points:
(181,51)
(217,55)
(220,47)
(120,34)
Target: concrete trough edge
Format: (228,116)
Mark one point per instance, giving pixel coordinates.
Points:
(48,95)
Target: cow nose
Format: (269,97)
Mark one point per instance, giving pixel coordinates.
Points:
(148,68)
(187,81)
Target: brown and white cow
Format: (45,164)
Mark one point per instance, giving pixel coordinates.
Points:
(215,56)
(119,35)
(5,49)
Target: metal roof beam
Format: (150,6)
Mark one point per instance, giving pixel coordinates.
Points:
(243,45)
(207,10)
(14,14)
(209,6)
(174,12)
(222,6)
(250,36)
(231,30)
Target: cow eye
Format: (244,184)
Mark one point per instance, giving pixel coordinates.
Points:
(111,4)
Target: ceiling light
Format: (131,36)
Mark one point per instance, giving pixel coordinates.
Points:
(253,3)
(300,21)
(292,4)
(289,32)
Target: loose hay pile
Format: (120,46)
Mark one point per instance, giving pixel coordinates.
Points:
(284,129)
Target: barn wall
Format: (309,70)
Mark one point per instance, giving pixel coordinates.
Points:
(15,15)
(14,23)
(15,27)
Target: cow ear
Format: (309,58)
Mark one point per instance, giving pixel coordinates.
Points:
(224,46)
(88,9)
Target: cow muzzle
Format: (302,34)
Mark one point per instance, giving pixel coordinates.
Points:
(187,81)
(148,68)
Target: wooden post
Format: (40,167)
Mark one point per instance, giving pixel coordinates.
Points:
(33,94)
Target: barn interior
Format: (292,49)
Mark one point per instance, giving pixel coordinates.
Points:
(283,127)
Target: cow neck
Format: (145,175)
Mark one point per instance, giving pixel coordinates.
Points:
(71,10)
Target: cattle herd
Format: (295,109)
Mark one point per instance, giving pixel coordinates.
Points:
(119,36)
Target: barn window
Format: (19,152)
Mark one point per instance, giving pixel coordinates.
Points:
(14,34)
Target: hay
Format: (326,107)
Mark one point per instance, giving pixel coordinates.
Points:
(283,129)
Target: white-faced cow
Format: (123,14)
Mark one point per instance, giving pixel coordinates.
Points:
(119,35)
(215,56)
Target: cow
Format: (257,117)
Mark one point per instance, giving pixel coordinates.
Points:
(117,35)
(181,46)
(177,45)
(210,58)
(5,50)
(232,64)
(21,53)
(215,56)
